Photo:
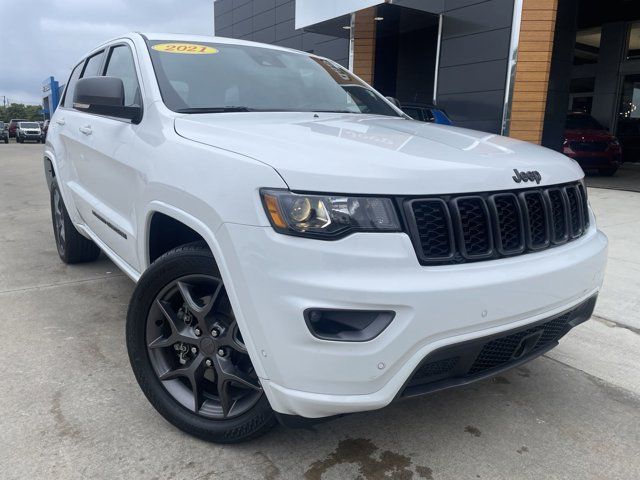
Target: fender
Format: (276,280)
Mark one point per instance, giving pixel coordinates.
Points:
(209,237)
(51,170)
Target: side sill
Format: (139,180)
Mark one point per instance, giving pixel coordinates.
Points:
(129,271)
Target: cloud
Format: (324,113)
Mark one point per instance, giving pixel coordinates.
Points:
(41,38)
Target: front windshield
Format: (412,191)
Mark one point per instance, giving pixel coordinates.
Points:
(29,125)
(207,77)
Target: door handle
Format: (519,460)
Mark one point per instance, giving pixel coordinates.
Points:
(86,130)
(60,121)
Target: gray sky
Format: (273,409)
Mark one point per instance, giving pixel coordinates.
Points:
(40,38)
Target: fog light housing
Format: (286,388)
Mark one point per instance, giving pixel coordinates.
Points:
(347,325)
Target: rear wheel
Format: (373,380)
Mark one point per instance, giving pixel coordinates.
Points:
(72,246)
(608,172)
(187,352)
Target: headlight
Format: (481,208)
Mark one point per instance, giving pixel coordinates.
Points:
(328,216)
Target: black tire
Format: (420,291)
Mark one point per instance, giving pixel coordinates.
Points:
(18,140)
(6,139)
(608,172)
(192,261)
(72,246)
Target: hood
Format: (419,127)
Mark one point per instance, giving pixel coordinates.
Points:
(354,153)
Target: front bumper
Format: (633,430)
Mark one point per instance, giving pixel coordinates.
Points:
(31,136)
(277,277)
(589,160)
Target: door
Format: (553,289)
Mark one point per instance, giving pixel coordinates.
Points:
(76,138)
(65,137)
(107,169)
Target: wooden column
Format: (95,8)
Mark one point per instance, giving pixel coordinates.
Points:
(364,44)
(532,70)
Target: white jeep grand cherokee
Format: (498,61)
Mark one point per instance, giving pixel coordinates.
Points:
(302,249)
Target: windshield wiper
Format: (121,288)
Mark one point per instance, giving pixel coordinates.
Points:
(214,109)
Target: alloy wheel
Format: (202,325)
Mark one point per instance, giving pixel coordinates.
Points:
(197,351)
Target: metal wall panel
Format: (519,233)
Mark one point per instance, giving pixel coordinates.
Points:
(488,76)
(475,48)
(481,17)
(272,21)
(474,61)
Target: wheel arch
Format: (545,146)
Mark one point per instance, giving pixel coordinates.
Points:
(166,233)
(171,216)
(204,231)
(49,170)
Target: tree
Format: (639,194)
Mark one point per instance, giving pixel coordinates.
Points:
(19,110)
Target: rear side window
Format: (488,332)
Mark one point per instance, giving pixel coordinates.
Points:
(67,102)
(121,65)
(92,69)
(428,115)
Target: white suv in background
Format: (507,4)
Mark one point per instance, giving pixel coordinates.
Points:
(303,249)
(29,131)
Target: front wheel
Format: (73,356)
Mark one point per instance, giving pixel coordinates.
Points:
(187,351)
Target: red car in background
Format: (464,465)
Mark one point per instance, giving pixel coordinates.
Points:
(591,145)
(13,125)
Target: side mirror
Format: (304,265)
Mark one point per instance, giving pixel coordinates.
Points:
(394,101)
(104,96)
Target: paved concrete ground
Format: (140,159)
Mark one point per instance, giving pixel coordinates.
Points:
(70,407)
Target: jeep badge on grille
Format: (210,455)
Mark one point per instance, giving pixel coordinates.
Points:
(532,176)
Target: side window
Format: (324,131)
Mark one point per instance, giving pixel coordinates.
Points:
(92,69)
(428,115)
(67,102)
(412,112)
(121,65)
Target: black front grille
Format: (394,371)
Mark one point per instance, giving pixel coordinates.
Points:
(575,213)
(506,210)
(435,369)
(435,238)
(588,146)
(473,225)
(559,215)
(456,229)
(501,350)
(537,219)
(475,359)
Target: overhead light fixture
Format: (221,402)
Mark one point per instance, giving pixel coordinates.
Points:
(378,19)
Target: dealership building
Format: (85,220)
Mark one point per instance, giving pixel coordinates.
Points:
(513,67)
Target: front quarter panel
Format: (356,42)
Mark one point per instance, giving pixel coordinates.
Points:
(209,184)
